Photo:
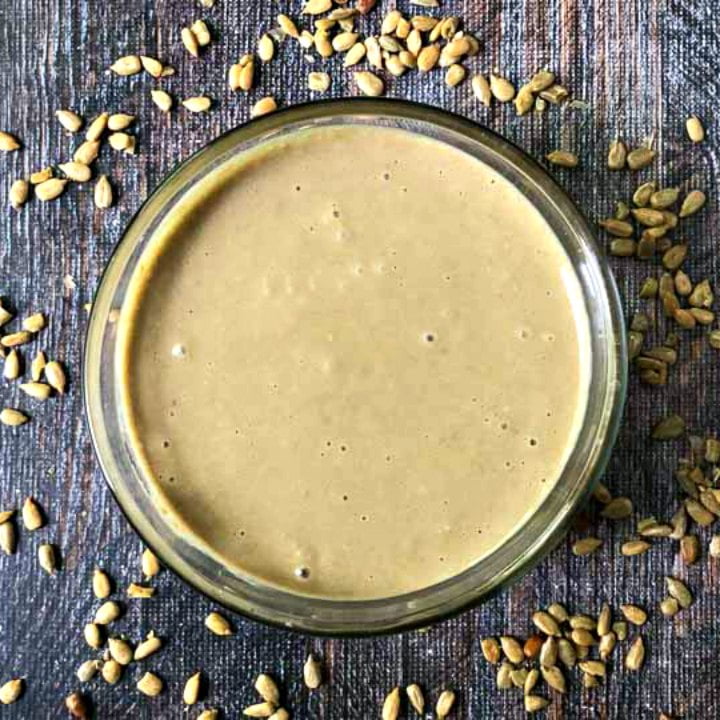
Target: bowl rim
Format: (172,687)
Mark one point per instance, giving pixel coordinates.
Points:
(449,121)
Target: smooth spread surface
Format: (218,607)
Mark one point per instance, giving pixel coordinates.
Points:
(357,365)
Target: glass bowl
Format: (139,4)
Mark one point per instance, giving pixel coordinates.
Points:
(522,550)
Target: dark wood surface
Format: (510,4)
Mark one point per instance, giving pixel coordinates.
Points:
(641,65)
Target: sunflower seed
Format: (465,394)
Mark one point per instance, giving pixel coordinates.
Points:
(669,428)
(634,614)
(444,703)
(197,104)
(218,625)
(127,65)
(617,155)
(111,671)
(354,55)
(554,678)
(617,509)
(87,153)
(501,88)
(669,607)
(11,691)
(416,698)
(549,652)
(535,703)
(190,41)
(503,679)
(563,158)
(8,540)
(640,158)
(391,705)
(71,121)
(481,89)
(455,75)
(264,106)
(512,649)
(13,418)
(634,547)
(19,192)
(107,613)
(490,649)
(690,549)
(607,644)
(87,671)
(679,591)
(11,368)
(201,32)
(120,650)
(312,673)
(369,84)
(191,691)
(695,129)
(50,189)
(593,667)
(162,100)
(150,684)
(147,647)
(693,201)
(93,635)
(153,67)
(636,654)
(32,515)
(582,637)
(47,557)
(555,94)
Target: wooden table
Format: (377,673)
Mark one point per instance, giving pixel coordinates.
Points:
(642,67)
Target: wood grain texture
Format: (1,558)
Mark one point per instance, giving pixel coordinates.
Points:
(642,65)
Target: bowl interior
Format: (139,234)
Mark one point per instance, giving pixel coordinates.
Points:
(530,541)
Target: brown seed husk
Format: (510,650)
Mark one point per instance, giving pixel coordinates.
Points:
(636,654)
(218,625)
(11,691)
(416,698)
(312,673)
(150,684)
(191,691)
(391,705)
(532,646)
(77,705)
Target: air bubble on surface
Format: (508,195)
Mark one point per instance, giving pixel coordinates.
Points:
(178,350)
(302,572)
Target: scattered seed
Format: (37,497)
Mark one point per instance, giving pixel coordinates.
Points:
(93,635)
(218,625)
(8,540)
(634,614)
(191,691)
(586,546)
(264,106)
(288,26)
(693,201)
(582,637)
(147,647)
(549,652)
(555,94)
(55,376)
(636,654)
(501,88)
(444,703)
(490,649)
(312,673)
(563,158)
(86,154)
(512,649)
(532,646)
(150,684)
(8,142)
(416,698)
(50,189)
(391,705)
(369,84)
(47,556)
(153,67)
(19,192)
(668,428)
(13,418)
(107,613)
(31,515)
(690,549)
(695,129)
(120,650)
(535,703)
(198,104)
(111,671)
(558,611)
(679,591)
(11,691)
(669,607)
(455,75)
(136,590)
(503,679)
(11,368)
(190,41)
(201,32)
(617,155)
(640,158)
(102,586)
(634,547)
(700,514)
(77,705)
(128,65)
(71,121)
(162,100)
(607,644)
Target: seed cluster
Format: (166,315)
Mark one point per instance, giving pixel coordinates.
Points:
(562,641)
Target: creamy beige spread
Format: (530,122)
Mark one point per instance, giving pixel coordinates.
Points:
(355,362)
